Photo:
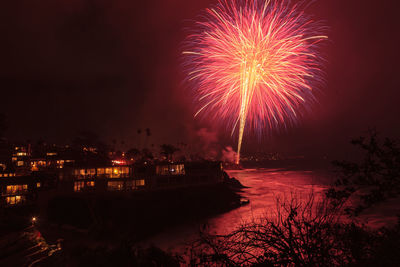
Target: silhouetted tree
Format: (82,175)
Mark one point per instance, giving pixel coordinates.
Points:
(133,153)
(91,148)
(148,134)
(86,139)
(302,233)
(374,178)
(147,155)
(168,150)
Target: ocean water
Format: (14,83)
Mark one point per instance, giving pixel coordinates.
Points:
(264,187)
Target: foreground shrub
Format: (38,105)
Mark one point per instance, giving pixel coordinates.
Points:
(301,233)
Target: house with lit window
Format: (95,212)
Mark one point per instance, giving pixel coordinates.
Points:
(21,159)
(100,179)
(129,178)
(38,164)
(7,172)
(18,190)
(57,159)
(52,159)
(42,164)
(174,175)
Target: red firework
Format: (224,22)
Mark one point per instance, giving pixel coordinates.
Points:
(254,63)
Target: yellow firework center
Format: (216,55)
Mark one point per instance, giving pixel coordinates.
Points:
(249,76)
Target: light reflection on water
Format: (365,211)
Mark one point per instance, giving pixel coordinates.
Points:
(264,186)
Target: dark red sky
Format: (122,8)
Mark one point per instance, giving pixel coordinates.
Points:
(113,67)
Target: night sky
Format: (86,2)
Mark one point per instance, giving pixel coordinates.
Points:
(114,66)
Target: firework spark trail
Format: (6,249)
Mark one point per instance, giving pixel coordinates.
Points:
(254,63)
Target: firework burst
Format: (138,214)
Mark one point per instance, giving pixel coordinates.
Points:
(254,64)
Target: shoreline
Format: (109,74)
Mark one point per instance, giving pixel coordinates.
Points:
(141,215)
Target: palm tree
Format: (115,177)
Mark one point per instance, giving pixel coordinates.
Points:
(168,150)
(148,134)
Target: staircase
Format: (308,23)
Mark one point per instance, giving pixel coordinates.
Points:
(25,248)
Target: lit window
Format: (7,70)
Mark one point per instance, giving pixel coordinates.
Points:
(115,185)
(20,163)
(175,169)
(162,170)
(125,170)
(14,200)
(90,183)
(100,171)
(115,173)
(38,185)
(10,200)
(140,182)
(13,189)
(82,172)
(78,186)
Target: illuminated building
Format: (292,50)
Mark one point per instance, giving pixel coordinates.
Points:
(170,169)
(51,159)
(21,159)
(174,175)
(101,179)
(7,173)
(125,178)
(38,164)
(18,190)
